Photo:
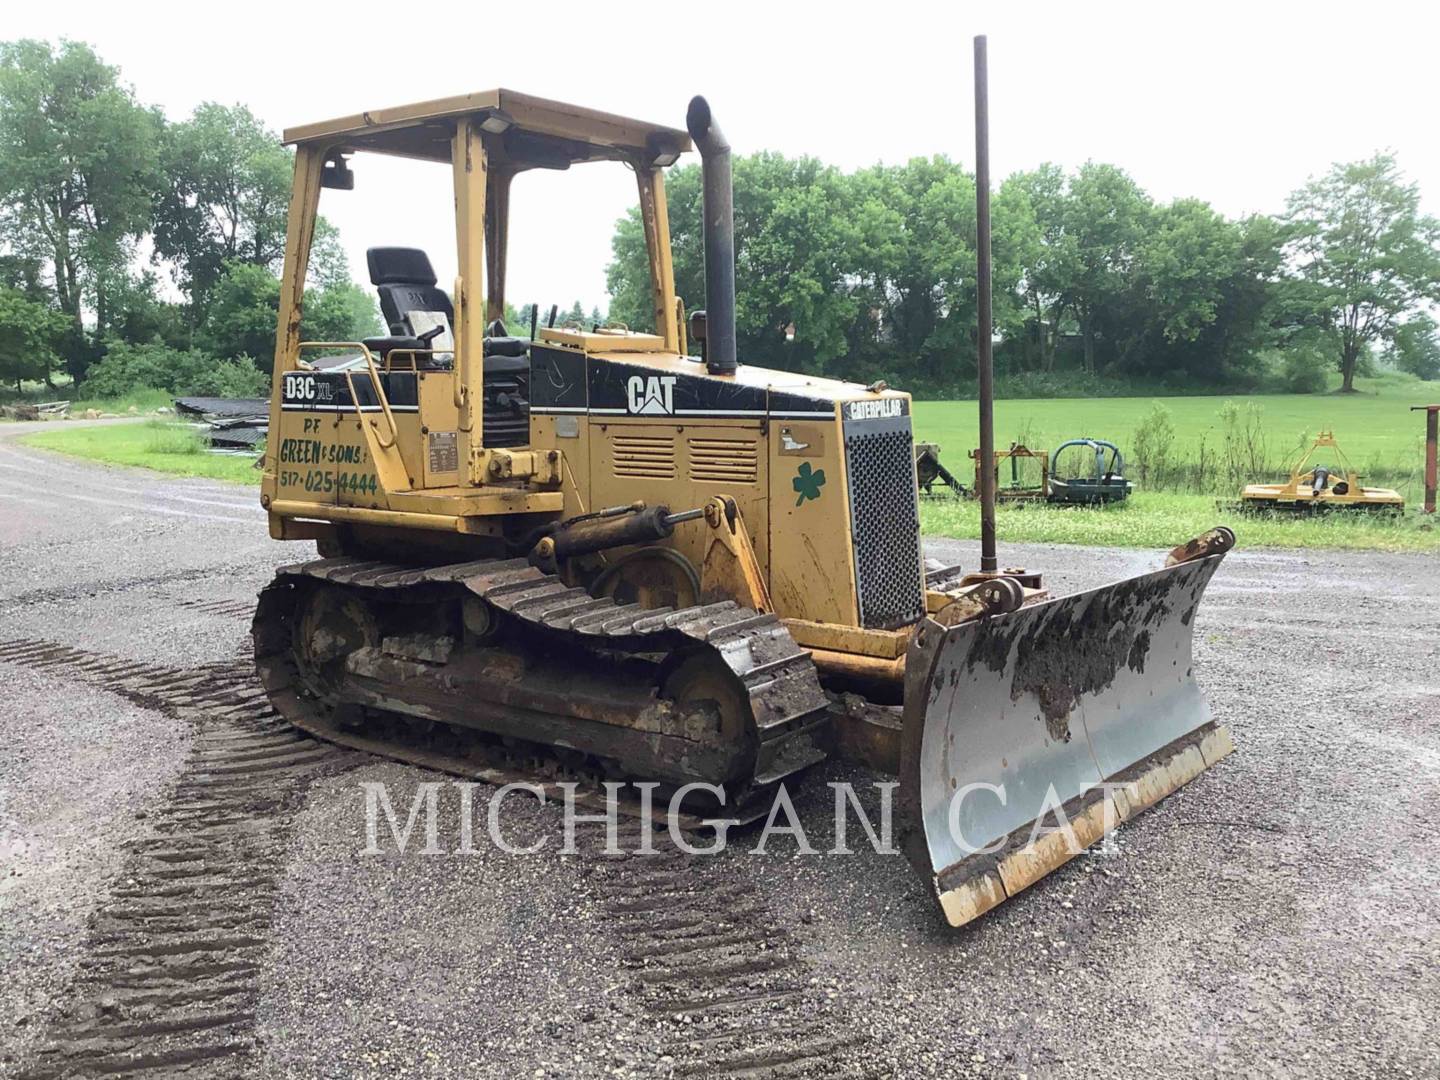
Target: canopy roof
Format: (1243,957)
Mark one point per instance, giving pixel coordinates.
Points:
(541,132)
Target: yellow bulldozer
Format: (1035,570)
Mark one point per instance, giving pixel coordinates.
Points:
(585,553)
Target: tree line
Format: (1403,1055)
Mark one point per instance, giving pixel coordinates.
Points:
(872,274)
(132,247)
(101,197)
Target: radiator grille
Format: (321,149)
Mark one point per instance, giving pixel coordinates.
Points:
(734,461)
(650,456)
(885,520)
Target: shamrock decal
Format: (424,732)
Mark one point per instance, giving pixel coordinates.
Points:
(808,483)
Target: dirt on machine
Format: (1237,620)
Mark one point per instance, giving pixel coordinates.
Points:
(569,554)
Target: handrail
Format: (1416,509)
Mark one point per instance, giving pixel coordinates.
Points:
(414,355)
(374,381)
(460,390)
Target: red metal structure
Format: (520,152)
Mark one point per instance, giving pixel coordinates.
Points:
(1432,429)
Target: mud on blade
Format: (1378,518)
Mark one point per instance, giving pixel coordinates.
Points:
(1046,703)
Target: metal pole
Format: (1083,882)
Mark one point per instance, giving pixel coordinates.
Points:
(1432,436)
(988,562)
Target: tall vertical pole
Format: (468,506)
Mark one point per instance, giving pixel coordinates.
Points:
(983,329)
(1432,437)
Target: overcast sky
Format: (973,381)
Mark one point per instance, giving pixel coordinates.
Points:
(1233,103)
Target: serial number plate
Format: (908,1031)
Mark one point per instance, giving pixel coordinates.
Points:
(444,452)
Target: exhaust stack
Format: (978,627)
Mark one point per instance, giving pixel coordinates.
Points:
(719,212)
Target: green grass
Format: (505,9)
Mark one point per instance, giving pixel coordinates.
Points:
(142,401)
(1375,428)
(155,444)
(1160,520)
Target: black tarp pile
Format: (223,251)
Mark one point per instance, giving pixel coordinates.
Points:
(233,425)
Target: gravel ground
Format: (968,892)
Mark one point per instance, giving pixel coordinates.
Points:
(1276,917)
(79,772)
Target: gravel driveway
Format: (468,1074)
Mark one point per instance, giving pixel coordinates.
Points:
(1277,917)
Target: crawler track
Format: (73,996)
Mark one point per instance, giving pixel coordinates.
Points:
(169,983)
(784,702)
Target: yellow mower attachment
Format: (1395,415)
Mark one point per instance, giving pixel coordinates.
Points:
(1320,486)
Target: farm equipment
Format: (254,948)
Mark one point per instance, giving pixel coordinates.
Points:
(1103,483)
(929,471)
(587,555)
(1028,478)
(1317,486)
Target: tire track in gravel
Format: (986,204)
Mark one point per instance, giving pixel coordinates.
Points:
(50,593)
(726,985)
(238,609)
(169,984)
(169,981)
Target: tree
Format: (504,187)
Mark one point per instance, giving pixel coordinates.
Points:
(329,265)
(1416,348)
(26,275)
(1365,257)
(1195,308)
(1104,218)
(126,368)
(77,166)
(1043,284)
(627,277)
(30,336)
(245,306)
(224,198)
(791,250)
(517,320)
(341,312)
(912,271)
(241,317)
(1078,264)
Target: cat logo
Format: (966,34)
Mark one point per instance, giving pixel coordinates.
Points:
(651,395)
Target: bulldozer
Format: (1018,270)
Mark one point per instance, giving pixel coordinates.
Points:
(585,554)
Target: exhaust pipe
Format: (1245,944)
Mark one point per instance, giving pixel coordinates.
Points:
(720,356)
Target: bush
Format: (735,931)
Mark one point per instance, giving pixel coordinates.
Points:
(126,369)
(1245,444)
(239,377)
(1416,348)
(1305,370)
(1154,440)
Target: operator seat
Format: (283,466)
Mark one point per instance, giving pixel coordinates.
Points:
(412,304)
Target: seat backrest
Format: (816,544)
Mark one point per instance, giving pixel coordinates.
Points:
(405,281)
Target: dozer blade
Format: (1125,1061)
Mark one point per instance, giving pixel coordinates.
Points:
(1012,721)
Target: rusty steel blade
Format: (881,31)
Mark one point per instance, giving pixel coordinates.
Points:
(1046,703)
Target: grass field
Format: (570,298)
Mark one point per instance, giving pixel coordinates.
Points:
(1375,428)
(144,402)
(153,444)
(1160,520)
